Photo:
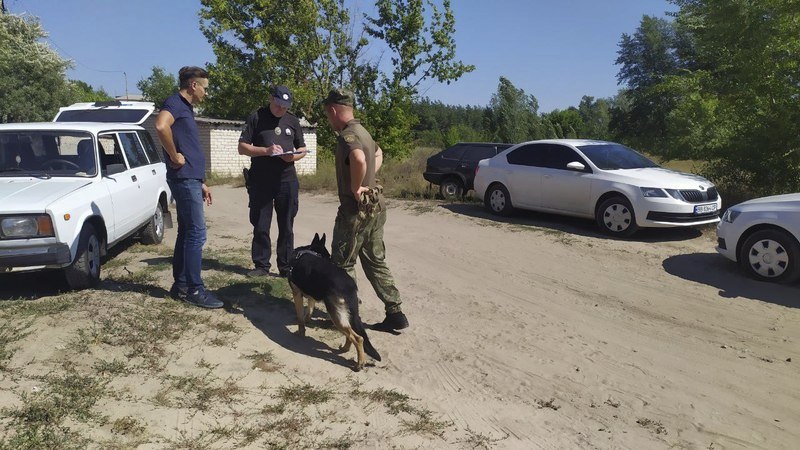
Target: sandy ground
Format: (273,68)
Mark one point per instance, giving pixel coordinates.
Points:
(538,332)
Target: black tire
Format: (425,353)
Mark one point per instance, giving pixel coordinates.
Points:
(498,201)
(616,217)
(153,233)
(451,188)
(771,255)
(84,272)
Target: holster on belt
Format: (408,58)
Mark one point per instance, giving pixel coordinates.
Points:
(370,202)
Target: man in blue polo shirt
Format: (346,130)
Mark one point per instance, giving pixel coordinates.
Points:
(186,165)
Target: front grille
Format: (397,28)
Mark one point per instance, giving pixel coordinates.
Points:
(679,217)
(695,196)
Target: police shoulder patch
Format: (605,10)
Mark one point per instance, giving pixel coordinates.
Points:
(349,138)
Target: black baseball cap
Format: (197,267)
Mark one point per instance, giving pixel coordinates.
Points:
(282,96)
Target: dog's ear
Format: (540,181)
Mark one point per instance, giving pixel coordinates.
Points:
(316,239)
(322,241)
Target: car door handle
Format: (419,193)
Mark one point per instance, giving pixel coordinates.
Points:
(547,176)
(153,170)
(133,178)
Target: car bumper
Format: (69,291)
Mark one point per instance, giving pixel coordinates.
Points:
(727,241)
(27,253)
(432,177)
(666,212)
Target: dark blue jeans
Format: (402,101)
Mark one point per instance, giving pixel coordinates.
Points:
(283,197)
(188,257)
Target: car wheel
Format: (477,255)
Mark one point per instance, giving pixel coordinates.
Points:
(84,272)
(497,200)
(771,255)
(616,217)
(451,188)
(153,233)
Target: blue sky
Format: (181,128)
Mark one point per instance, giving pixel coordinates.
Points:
(557,50)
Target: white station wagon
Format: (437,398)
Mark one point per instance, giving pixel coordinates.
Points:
(71,189)
(618,187)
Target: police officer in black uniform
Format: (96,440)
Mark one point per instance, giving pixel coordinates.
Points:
(273,139)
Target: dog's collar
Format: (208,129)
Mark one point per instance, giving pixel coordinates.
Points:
(306,251)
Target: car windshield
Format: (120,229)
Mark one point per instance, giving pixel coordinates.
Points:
(615,157)
(47,153)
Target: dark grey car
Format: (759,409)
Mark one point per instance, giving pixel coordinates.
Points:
(453,169)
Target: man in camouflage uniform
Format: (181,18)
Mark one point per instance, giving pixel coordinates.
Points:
(358,230)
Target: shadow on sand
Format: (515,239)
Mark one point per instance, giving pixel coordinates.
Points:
(570,225)
(714,270)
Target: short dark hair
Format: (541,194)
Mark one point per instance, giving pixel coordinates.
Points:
(188,73)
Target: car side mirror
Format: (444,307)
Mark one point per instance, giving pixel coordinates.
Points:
(576,166)
(112,169)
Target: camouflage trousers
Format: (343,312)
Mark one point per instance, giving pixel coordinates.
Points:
(360,236)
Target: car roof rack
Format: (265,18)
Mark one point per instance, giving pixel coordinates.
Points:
(108,103)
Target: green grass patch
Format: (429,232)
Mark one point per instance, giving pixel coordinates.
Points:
(304,395)
(10,334)
(198,392)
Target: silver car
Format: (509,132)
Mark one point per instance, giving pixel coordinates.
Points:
(763,236)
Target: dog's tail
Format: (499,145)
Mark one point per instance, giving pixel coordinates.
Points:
(358,327)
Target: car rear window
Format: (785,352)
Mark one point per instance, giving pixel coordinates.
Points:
(478,153)
(453,152)
(103,115)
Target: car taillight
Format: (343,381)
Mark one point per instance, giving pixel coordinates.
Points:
(477,168)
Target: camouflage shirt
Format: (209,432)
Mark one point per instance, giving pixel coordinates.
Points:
(353,136)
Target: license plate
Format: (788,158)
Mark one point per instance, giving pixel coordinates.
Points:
(705,209)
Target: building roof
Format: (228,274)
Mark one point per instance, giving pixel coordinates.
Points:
(303,122)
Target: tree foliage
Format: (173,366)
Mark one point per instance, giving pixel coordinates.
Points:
(32,76)
(513,114)
(158,86)
(723,88)
(313,45)
(82,91)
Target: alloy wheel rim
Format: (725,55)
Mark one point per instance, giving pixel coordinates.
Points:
(768,258)
(450,189)
(617,217)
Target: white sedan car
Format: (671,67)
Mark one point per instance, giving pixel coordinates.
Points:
(762,235)
(618,187)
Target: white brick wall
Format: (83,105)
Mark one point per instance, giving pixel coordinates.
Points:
(220,139)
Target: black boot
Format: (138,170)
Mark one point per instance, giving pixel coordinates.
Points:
(393,321)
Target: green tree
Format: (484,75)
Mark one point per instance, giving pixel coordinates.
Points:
(313,45)
(656,50)
(158,86)
(33,84)
(307,45)
(565,123)
(513,115)
(82,91)
(595,117)
(738,109)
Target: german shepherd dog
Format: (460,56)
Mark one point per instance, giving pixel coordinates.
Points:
(314,276)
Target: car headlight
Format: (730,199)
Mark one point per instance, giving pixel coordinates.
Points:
(674,193)
(653,192)
(26,226)
(730,215)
